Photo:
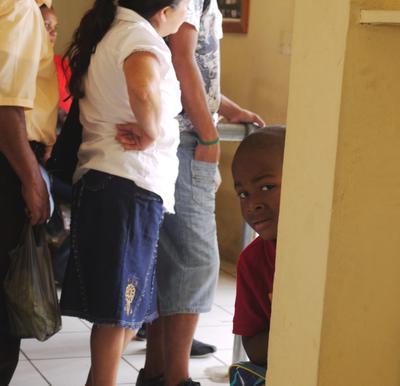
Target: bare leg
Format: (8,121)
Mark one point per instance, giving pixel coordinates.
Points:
(106,343)
(169,342)
(179,331)
(128,334)
(155,358)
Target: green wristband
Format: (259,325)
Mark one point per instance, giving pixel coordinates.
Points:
(207,143)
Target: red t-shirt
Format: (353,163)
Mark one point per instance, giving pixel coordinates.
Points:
(63,80)
(255,277)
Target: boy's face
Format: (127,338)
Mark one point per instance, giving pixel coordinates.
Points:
(257,177)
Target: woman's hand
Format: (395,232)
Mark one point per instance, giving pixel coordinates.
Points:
(132,137)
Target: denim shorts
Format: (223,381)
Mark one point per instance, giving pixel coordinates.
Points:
(188,257)
(110,276)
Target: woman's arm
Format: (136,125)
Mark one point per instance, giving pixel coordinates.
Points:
(142,74)
(183,47)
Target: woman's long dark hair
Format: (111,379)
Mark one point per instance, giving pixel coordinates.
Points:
(94,25)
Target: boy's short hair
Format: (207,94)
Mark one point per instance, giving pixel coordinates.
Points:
(261,139)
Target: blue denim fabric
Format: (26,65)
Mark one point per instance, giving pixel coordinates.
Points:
(246,374)
(110,277)
(188,257)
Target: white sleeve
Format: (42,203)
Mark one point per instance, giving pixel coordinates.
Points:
(195,10)
(141,40)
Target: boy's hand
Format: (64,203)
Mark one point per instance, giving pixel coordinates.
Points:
(270,297)
(132,137)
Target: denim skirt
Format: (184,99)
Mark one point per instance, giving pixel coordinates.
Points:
(110,277)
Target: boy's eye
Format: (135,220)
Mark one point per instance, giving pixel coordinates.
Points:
(267,187)
(242,194)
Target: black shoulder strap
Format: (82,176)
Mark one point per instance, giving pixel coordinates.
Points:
(206,4)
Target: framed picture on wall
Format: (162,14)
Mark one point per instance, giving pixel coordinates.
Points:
(235,14)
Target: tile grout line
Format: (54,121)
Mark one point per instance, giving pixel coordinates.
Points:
(58,358)
(220,360)
(129,364)
(35,367)
(224,309)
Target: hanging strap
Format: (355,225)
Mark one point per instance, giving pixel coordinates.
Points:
(206,4)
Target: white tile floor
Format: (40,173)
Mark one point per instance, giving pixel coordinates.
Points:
(64,359)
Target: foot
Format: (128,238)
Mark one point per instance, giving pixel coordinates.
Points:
(142,333)
(201,350)
(189,382)
(156,381)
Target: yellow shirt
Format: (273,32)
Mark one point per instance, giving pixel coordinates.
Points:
(27,73)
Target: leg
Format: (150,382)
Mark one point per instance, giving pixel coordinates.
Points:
(11,222)
(188,259)
(155,350)
(178,328)
(198,349)
(107,344)
(9,352)
(168,348)
(128,334)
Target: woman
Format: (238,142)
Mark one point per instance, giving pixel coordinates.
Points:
(121,70)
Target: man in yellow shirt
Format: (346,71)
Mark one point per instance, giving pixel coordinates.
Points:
(28,111)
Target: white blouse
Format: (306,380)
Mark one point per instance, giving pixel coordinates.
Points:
(106,103)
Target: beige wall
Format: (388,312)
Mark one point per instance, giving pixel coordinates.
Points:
(336,319)
(69,14)
(255,73)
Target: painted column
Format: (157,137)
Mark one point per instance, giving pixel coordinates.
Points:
(336,313)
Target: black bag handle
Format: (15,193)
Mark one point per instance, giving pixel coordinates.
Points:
(64,157)
(206,4)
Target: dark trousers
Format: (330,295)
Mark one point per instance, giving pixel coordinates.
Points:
(12,218)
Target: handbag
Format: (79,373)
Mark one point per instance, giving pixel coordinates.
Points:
(29,287)
(64,157)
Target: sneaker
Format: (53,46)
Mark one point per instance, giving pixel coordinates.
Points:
(201,350)
(189,382)
(156,381)
(141,334)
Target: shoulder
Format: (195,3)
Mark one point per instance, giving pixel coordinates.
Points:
(125,38)
(6,7)
(137,31)
(256,250)
(255,247)
(19,11)
(24,12)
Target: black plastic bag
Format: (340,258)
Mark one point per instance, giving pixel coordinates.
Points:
(29,287)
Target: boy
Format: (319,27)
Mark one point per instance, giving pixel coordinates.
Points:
(257,175)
